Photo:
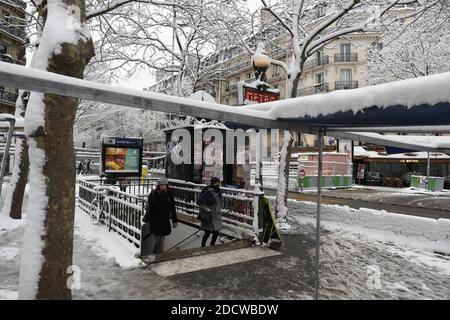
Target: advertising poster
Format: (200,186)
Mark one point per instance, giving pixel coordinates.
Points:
(346,146)
(360,172)
(124,160)
(121,157)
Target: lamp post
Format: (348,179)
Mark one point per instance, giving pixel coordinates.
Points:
(260,62)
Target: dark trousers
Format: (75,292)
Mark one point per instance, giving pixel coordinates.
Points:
(213,239)
(156,243)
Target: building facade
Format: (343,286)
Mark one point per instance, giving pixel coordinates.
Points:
(13,41)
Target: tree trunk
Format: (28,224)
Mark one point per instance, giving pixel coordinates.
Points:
(283,179)
(19,187)
(283,172)
(12,205)
(48,244)
(294,85)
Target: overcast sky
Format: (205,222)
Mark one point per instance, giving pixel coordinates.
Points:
(145,79)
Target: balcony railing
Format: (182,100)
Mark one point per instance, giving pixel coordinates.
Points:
(19,3)
(8,58)
(8,96)
(8,28)
(316,62)
(277,52)
(345,57)
(340,85)
(236,68)
(318,88)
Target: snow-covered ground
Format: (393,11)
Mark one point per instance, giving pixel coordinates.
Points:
(425,241)
(365,255)
(444,193)
(405,197)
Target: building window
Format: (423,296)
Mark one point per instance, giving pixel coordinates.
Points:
(301,83)
(377,45)
(320,78)
(249,75)
(320,11)
(345,48)
(345,75)
(276,71)
(227,85)
(345,54)
(3,48)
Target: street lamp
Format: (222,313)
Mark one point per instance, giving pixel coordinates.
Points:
(260,62)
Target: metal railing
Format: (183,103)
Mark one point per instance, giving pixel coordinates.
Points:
(236,68)
(8,96)
(238,211)
(19,3)
(341,85)
(16,32)
(345,57)
(324,60)
(122,210)
(8,58)
(319,88)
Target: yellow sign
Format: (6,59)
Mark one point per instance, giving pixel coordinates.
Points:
(144,171)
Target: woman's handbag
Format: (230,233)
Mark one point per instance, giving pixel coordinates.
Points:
(204,216)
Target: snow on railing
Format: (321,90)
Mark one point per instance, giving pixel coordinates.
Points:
(122,210)
(238,211)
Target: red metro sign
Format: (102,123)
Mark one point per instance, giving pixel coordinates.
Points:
(252,94)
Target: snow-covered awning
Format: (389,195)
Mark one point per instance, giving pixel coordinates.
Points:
(361,152)
(423,101)
(413,142)
(416,102)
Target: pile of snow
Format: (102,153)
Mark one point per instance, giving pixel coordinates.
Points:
(108,244)
(8,253)
(396,191)
(202,96)
(412,231)
(361,152)
(8,294)
(7,224)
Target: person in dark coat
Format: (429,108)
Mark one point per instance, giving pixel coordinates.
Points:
(160,209)
(80,166)
(210,202)
(88,167)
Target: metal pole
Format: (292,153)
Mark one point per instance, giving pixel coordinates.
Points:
(258,169)
(319,204)
(428,170)
(5,158)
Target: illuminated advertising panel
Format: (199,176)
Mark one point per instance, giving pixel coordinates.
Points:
(122,156)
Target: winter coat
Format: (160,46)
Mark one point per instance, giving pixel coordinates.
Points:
(160,209)
(210,199)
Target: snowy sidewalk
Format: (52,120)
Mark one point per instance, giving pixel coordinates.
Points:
(349,261)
